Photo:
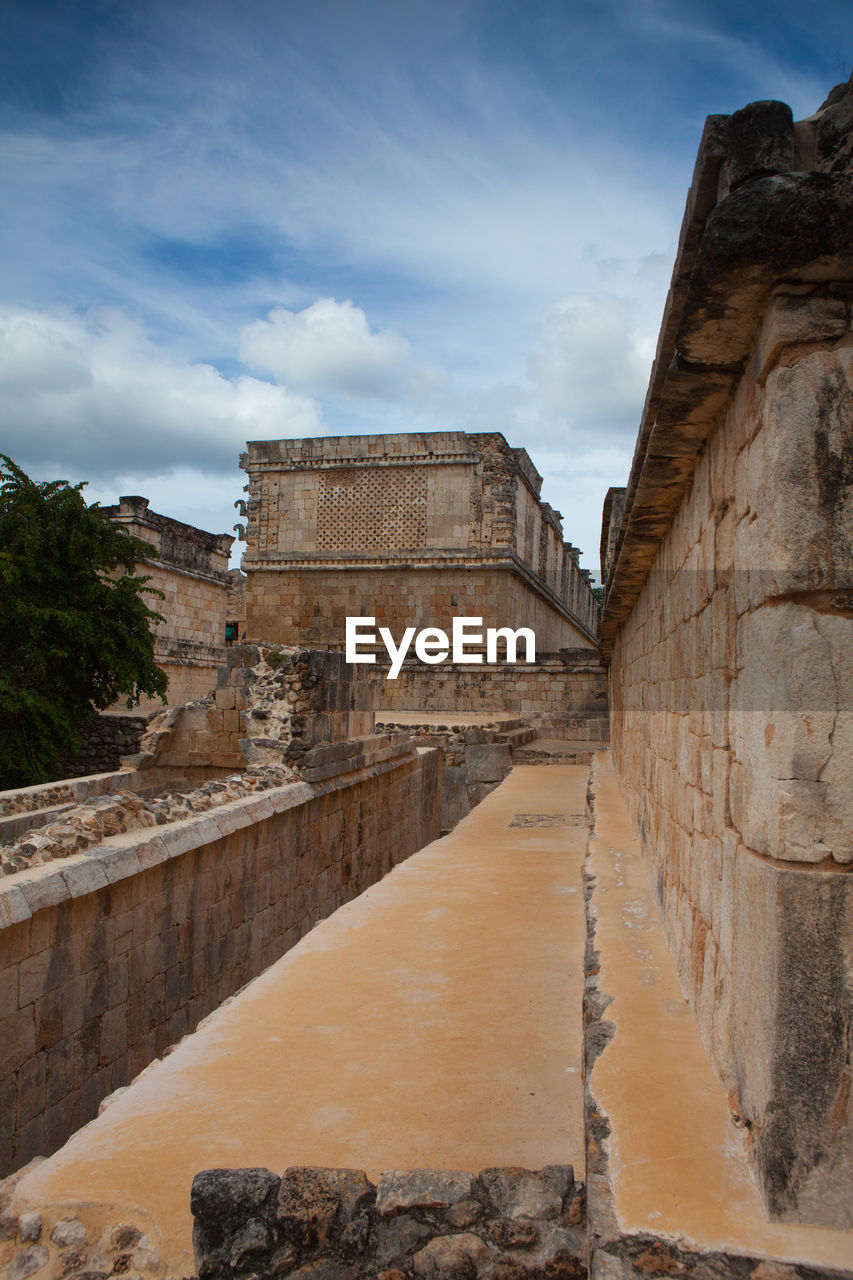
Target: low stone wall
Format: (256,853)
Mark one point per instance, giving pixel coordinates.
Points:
(113,954)
(105,741)
(476,760)
(569,685)
(505,1224)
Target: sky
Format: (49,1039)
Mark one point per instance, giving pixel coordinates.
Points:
(232,220)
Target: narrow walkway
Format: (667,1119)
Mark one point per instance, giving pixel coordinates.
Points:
(678,1168)
(434,1022)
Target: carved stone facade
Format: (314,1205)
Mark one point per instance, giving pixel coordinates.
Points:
(412,530)
(190,567)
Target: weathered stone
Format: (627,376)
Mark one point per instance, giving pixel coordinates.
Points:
(488,762)
(314,1202)
(69,1233)
(422,1189)
(355,1236)
(250,1241)
(451,1257)
(510,1233)
(607,1266)
(398,1237)
(561,1248)
(327,1269)
(282,1261)
(221,1200)
(71,1262)
(27,1262)
(8,1220)
(760,140)
(29,1226)
(463,1214)
(520,1193)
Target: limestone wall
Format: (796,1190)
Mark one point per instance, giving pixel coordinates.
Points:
(410,529)
(568,687)
(113,954)
(189,566)
(728,623)
(315,603)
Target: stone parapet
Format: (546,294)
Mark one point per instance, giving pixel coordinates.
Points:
(776,216)
(476,760)
(113,954)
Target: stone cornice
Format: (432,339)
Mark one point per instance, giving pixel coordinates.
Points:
(749,226)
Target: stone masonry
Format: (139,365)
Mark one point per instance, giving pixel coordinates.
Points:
(190,567)
(435,1224)
(125,919)
(728,625)
(409,529)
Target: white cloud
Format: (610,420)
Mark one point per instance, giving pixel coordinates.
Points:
(592,367)
(330,349)
(93,395)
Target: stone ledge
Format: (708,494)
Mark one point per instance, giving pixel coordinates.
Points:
(120,856)
(740,238)
(668,1170)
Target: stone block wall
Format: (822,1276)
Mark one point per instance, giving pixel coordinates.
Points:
(728,624)
(314,603)
(475,761)
(112,954)
(105,741)
(430,1223)
(568,687)
(410,529)
(190,567)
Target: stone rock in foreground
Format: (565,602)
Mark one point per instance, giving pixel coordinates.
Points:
(431,1224)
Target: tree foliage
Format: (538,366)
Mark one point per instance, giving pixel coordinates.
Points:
(75,631)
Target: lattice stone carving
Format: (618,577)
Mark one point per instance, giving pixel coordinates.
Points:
(372,508)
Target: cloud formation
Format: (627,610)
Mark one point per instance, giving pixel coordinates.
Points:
(495,189)
(329,349)
(91,394)
(592,366)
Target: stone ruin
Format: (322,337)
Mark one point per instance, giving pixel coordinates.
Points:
(725,635)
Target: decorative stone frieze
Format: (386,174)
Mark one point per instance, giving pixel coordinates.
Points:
(410,529)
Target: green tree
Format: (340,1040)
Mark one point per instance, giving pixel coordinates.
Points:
(75,631)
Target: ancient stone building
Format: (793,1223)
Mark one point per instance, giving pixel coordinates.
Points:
(190,567)
(412,530)
(728,626)
(611,521)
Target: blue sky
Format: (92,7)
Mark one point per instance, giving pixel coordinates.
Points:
(225,221)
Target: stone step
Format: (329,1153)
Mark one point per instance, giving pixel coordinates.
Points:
(517,737)
(544,750)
